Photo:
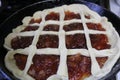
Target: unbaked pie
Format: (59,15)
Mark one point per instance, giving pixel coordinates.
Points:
(70,42)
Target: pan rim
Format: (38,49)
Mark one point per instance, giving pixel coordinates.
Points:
(1,25)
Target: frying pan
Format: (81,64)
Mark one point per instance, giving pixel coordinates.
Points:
(15,20)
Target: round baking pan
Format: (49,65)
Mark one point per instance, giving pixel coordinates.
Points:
(16,19)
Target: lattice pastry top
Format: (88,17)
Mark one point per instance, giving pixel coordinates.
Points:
(68,42)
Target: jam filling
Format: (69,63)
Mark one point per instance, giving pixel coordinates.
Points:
(30,28)
(87,16)
(71,15)
(76,41)
(21,60)
(43,65)
(46,41)
(51,27)
(35,21)
(52,16)
(99,41)
(21,42)
(101,61)
(79,67)
(94,26)
(73,26)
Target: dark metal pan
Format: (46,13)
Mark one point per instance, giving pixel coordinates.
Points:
(15,20)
